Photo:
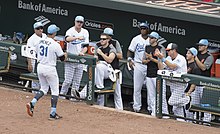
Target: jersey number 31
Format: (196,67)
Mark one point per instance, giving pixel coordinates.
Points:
(43,51)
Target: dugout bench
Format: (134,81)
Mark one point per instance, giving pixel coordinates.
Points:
(88,77)
(5,60)
(210,102)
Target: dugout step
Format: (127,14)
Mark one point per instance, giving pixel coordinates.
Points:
(108,87)
(29,76)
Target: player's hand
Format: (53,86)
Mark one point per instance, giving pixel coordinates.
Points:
(187,94)
(30,68)
(149,56)
(81,38)
(65,55)
(131,64)
(99,51)
(81,54)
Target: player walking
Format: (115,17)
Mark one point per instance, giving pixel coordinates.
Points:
(135,55)
(75,36)
(33,42)
(152,67)
(47,52)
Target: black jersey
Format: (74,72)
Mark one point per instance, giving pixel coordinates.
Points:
(203,59)
(152,67)
(109,49)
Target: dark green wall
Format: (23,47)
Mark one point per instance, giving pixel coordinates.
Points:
(16,19)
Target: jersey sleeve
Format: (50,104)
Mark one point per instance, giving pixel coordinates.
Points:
(132,45)
(59,50)
(118,47)
(86,36)
(68,33)
(209,61)
(112,50)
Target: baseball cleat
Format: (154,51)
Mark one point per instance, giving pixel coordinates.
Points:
(55,117)
(75,93)
(30,109)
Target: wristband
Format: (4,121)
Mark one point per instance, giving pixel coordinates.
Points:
(163,59)
(129,59)
(159,60)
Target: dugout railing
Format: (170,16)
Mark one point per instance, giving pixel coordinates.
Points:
(209,100)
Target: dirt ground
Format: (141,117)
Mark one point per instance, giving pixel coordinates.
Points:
(80,118)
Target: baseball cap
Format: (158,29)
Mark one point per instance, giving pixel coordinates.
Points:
(192,50)
(37,24)
(154,35)
(52,29)
(171,46)
(79,18)
(203,42)
(108,31)
(143,25)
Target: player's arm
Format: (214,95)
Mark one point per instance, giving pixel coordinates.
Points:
(109,58)
(119,51)
(191,89)
(206,65)
(63,57)
(71,38)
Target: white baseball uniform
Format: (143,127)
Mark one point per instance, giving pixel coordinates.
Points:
(47,52)
(74,71)
(137,46)
(177,89)
(33,42)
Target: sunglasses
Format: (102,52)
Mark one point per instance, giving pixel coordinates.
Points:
(152,37)
(38,28)
(79,22)
(143,28)
(103,38)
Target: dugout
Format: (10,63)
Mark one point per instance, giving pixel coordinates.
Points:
(177,21)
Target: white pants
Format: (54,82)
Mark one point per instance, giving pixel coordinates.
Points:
(196,96)
(34,84)
(73,75)
(140,72)
(176,99)
(151,94)
(101,73)
(48,78)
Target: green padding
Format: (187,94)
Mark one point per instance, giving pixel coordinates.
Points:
(212,109)
(4,59)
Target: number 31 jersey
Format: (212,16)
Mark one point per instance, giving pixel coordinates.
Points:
(47,52)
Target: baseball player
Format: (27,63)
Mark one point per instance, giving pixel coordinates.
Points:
(32,42)
(152,67)
(135,55)
(175,62)
(107,60)
(75,37)
(47,52)
(119,56)
(204,60)
(192,90)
